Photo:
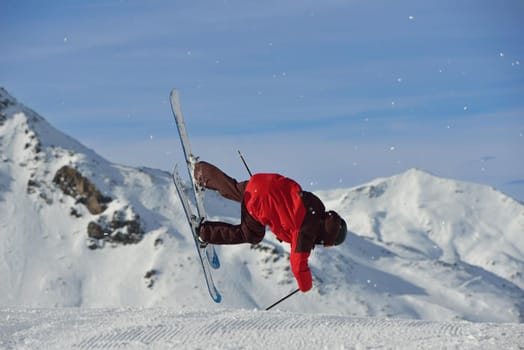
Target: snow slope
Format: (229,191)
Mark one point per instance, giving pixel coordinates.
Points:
(422,247)
(168,329)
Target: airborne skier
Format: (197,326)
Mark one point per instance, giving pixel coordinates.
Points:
(295,216)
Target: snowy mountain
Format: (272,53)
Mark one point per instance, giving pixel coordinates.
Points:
(78,230)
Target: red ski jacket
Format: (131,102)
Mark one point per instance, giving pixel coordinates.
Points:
(276,201)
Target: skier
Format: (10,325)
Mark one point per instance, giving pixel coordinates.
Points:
(295,216)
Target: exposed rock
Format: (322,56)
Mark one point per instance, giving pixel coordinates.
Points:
(5,102)
(151,277)
(32,186)
(158,242)
(93,244)
(271,253)
(48,200)
(273,260)
(72,183)
(123,228)
(95,231)
(74,212)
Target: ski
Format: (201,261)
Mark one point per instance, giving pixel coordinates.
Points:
(206,254)
(213,292)
(191,160)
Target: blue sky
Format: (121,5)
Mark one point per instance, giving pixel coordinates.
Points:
(331,93)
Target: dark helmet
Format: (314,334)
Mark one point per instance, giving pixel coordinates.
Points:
(342,232)
(336,229)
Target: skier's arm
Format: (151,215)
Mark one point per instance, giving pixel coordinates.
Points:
(301,270)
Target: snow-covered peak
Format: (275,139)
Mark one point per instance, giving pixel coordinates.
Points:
(33,131)
(443,218)
(6,98)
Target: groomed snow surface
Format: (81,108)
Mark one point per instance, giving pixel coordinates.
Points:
(242,329)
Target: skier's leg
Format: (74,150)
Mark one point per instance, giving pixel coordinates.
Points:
(211,177)
(216,232)
(249,231)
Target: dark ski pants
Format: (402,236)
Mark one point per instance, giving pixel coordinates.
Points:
(215,232)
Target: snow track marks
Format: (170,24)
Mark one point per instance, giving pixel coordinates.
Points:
(88,329)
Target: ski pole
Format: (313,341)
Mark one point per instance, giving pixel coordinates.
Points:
(245,164)
(284,298)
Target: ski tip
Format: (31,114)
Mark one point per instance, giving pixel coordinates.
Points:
(212,257)
(217,298)
(174,92)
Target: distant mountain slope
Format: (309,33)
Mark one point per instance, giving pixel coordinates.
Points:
(448,246)
(443,219)
(78,230)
